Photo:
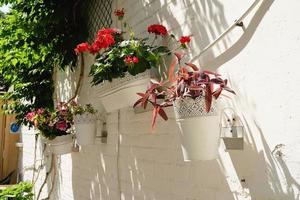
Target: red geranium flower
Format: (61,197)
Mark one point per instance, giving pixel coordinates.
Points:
(119,13)
(94,48)
(104,41)
(131,60)
(135,59)
(157,29)
(105,31)
(185,39)
(128,60)
(83,47)
(61,125)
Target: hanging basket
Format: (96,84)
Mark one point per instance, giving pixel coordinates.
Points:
(199,130)
(61,144)
(85,128)
(121,92)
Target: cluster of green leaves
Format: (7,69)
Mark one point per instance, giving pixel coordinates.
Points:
(2,15)
(21,191)
(82,109)
(35,37)
(110,64)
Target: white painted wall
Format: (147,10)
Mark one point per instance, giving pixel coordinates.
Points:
(261,62)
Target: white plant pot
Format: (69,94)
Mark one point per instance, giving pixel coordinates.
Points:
(199,130)
(61,144)
(121,92)
(85,128)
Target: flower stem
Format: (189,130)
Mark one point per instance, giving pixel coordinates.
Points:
(154,40)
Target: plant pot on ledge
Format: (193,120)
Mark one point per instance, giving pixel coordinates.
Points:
(121,92)
(60,144)
(85,128)
(199,130)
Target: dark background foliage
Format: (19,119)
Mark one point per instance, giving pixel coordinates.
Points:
(35,37)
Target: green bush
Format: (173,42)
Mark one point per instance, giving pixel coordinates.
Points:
(21,191)
(36,37)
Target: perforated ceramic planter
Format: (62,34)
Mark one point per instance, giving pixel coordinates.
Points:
(61,144)
(85,128)
(121,92)
(199,130)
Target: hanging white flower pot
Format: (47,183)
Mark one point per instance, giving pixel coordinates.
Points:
(199,130)
(121,92)
(85,128)
(61,144)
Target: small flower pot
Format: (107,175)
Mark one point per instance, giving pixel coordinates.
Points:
(85,128)
(61,144)
(121,92)
(199,130)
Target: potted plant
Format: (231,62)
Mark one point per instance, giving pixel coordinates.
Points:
(55,127)
(193,93)
(84,123)
(124,66)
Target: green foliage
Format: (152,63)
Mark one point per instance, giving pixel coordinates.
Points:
(35,37)
(80,110)
(2,15)
(110,64)
(21,191)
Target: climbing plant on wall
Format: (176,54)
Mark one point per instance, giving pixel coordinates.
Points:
(35,37)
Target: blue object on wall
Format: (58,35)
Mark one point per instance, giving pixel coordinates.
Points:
(14,128)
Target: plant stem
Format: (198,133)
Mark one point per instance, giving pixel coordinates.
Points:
(154,40)
(47,176)
(34,158)
(80,78)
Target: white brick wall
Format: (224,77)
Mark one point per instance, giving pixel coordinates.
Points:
(263,70)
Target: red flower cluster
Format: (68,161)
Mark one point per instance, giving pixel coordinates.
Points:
(185,39)
(157,29)
(62,125)
(131,60)
(119,13)
(105,38)
(83,47)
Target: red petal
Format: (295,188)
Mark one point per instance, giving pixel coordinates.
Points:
(137,102)
(212,73)
(228,89)
(194,67)
(154,115)
(163,114)
(140,94)
(208,98)
(217,93)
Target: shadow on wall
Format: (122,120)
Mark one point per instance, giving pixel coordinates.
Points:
(204,20)
(94,174)
(263,171)
(241,43)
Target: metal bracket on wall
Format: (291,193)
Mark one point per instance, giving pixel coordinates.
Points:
(103,136)
(232,130)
